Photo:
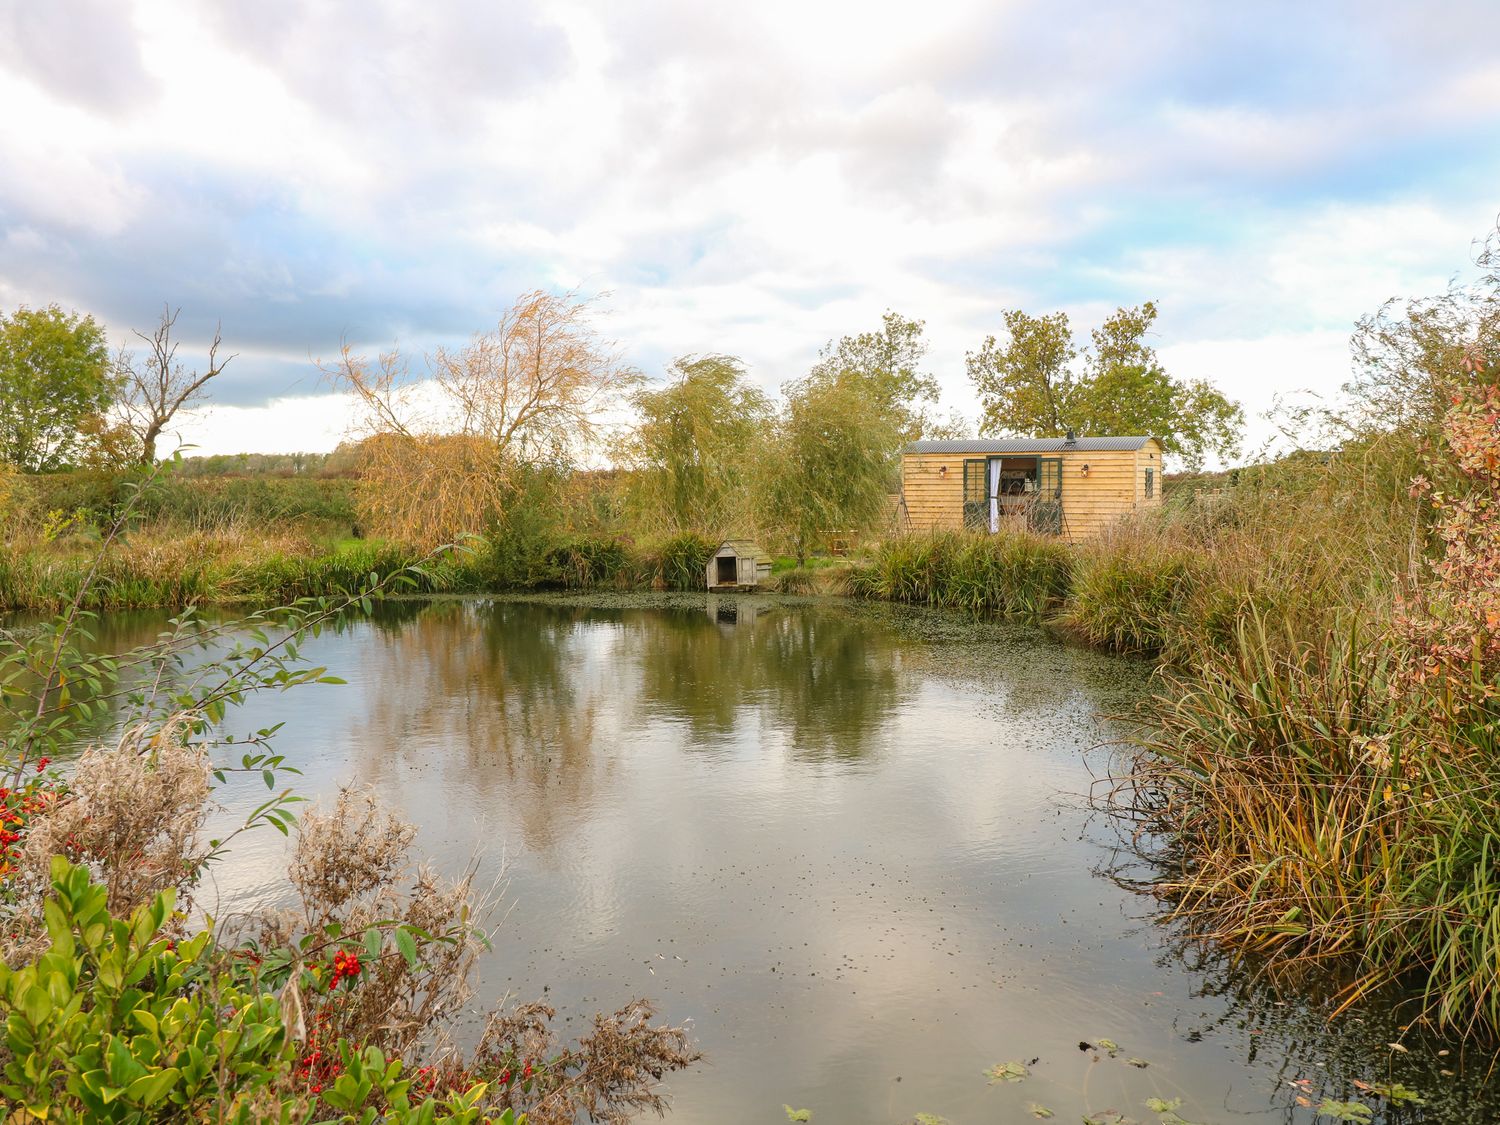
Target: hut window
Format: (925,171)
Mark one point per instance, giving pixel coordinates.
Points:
(1150,483)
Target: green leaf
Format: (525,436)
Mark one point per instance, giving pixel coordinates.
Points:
(1397,1093)
(797,1114)
(1007,1072)
(407,945)
(1354,1113)
(36,1005)
(152,1088)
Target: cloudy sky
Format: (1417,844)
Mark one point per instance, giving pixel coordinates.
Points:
(753,179)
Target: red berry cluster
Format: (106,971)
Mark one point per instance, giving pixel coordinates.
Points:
(344,965)
(17,807)
(506,1076)
(316,1067)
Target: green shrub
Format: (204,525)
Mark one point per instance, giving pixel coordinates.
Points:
(116,1021)
(1013,575)
(591,563)
(681,562)
(1128,597)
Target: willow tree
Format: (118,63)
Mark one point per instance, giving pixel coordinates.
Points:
(691,447)
(827,466)
(445,454)
(887,366)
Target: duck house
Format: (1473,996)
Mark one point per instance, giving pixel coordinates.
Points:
(738,564)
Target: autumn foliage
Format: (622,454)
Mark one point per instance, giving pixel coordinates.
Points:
(1452,618)
(442,457)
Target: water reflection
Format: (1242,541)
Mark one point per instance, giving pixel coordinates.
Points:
(825,679)
(493,693)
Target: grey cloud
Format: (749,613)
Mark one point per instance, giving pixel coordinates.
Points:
(1118,84)
(83,51)
(385,64)
(281,284)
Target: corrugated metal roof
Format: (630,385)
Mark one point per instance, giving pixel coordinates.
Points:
(1029,445)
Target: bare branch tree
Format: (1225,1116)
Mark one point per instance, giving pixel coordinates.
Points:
(155,391)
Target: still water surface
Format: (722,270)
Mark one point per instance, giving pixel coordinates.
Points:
(848,844)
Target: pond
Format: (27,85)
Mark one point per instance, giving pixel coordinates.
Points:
(849,844)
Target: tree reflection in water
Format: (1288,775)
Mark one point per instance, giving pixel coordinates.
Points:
(825,677)
(492,690)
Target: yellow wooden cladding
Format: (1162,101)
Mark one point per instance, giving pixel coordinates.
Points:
(1114,485)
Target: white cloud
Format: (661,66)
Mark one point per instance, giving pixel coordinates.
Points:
(295,424)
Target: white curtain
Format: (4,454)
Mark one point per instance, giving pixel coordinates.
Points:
(994,495)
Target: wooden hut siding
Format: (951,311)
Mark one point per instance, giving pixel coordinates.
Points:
(1114,485)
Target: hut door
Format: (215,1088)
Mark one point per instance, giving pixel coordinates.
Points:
(976,494)
(1047,512)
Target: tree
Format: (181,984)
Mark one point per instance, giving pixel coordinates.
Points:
(827,466)
(534,391)
(888,365)
(691,445)
(1039,383)
(1026,386)
(54,376)
(152,393)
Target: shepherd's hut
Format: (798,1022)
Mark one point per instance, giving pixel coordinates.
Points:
(1070,486)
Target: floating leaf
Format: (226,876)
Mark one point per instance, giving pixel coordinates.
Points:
(1040,1112)
(1166,1111)
(1139,1064)
(797,1114)
(1356,1112)
(929,1119)
(1395,1092)
(1109,1045)
(1007,1072)
(1108,1117)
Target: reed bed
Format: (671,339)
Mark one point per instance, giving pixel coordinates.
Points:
(170,567)
(1306,786)
(1014,576)
(225,567)
(1313,806)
